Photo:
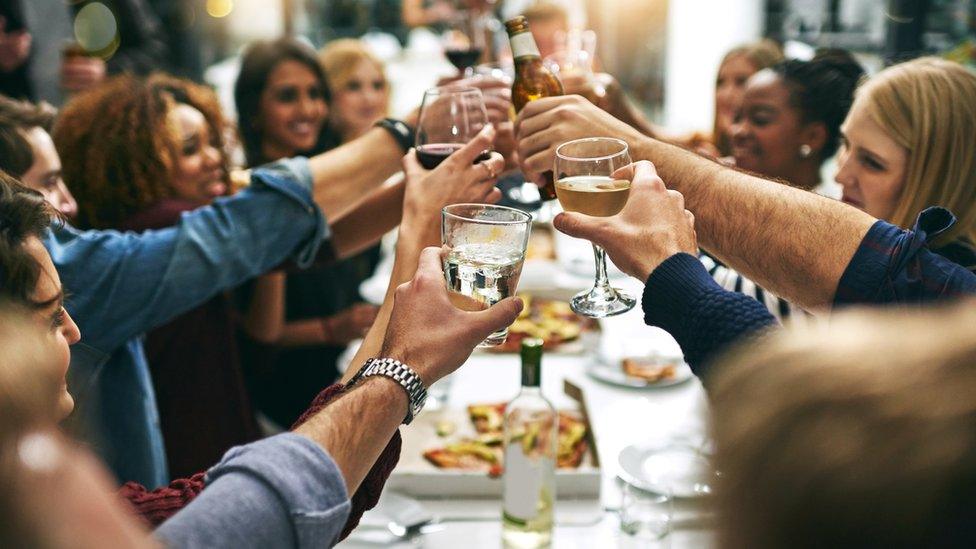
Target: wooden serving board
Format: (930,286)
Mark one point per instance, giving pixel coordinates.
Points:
(417,477)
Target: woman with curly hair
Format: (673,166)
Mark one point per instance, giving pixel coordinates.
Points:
(139,153)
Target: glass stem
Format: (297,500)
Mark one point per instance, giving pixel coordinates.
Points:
(602,282)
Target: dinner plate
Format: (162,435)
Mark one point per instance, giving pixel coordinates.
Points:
(614,374)
(677,469)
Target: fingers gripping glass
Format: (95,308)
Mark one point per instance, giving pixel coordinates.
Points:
(484,251)
(450,117)
(584,171)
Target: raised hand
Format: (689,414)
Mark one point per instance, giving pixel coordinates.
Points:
(431,335)
(653,226)
(457,180)
(546,123)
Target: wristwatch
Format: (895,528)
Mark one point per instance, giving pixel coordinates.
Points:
(400,130)
(403,375)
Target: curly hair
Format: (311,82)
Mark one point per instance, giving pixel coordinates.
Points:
(822,89)
(119,149)
(23,213)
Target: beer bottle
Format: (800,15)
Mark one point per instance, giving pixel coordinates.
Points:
(532,79)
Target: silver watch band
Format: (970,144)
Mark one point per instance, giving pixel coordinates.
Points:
(404,376)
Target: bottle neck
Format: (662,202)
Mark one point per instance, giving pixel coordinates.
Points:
(524,46)
(531,376)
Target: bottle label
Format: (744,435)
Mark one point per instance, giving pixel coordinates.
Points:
(523,45)
(523,480)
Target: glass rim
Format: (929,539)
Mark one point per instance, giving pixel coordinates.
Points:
(452,89)
(448,214)
(621,142)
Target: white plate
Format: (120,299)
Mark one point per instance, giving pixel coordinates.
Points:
(615,375)
(677,469)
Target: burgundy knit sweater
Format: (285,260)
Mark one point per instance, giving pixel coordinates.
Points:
(155,506)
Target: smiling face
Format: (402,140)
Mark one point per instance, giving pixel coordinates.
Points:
(871,165)
(730,86)
(44,175)
(768,132)
(361,101)
(292,110)
(51,328)
(199,173)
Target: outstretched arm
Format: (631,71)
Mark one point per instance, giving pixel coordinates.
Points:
(792,242)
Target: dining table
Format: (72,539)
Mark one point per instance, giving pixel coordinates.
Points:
(619,417)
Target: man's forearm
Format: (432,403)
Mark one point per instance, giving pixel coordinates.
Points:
(344,175)
(355,428)
(368,221)
(790,241)
(409,245)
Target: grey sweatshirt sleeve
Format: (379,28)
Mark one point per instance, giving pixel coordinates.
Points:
(284,491)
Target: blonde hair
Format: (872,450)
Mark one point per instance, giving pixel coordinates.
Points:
(928,106)
(340,58)
(856,433)
(761,54)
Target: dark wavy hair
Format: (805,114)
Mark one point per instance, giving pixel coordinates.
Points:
(259,60)
(16,118)
(23,213)
(822,89)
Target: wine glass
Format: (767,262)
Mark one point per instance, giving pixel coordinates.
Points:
(464,41)
(450,117)
(584,171)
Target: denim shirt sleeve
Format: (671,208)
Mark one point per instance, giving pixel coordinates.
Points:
(895,266)
(124,284)
(284,491)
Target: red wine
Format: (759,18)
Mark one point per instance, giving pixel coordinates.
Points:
(431,156)
(463,59)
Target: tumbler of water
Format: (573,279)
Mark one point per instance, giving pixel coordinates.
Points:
(484,252)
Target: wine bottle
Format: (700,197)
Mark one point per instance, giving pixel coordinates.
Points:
(532,80)
(530,441)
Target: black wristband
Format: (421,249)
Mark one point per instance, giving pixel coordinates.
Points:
(400,130)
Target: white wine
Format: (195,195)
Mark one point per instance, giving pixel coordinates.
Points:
(592,194)
(530,442)
(485,274)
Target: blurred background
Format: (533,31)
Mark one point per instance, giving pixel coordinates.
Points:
(665,53)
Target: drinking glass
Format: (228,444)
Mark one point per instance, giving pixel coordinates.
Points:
(584,171)
(646,516)
(484,251)
(450,117)
(464,41)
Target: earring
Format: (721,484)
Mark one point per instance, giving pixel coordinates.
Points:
(805,151)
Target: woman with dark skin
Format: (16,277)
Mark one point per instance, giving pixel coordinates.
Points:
(161,153)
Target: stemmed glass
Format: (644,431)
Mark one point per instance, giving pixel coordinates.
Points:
(450,117)
(464,41)
(584,171)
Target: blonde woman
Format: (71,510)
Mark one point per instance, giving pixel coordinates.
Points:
(360,91)
(856,433)
(909,144)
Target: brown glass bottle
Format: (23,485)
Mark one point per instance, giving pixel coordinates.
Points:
(532,80)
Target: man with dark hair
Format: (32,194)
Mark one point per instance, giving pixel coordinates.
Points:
(27,151)
(295,489)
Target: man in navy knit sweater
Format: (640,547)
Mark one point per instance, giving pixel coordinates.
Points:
(816,252)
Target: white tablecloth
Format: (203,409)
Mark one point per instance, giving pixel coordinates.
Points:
(619,416)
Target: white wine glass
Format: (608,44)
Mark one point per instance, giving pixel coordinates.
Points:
(584,171)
